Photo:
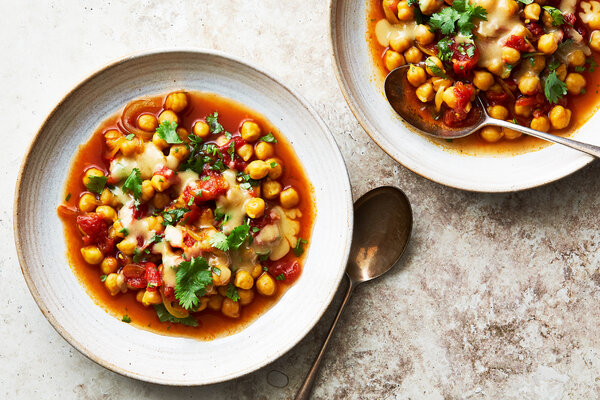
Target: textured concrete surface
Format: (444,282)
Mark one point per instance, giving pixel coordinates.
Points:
(497,297)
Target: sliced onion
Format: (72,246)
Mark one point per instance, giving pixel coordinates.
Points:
(133,271)
(506,89)
(132,111)
(389,14)
(176,312)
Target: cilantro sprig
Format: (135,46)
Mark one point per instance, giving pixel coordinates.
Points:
(133,183)
(213,123)
(165,316)
(167,131)
(96,184)
(234,241)
(269,138)
(192,279)
(458,18)
(232,292)
(557,15)
(172,217)
(554,88)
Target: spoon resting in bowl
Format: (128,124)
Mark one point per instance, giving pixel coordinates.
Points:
(396,85)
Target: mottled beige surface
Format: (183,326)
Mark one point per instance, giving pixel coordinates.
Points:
(497,297)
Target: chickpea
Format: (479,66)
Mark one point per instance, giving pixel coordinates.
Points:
(496,67)
(510,55)
(594,22)
(159,142)
(112,284)
(117,228)
(540,123)
(529,85)
(139,296)
(491,133)
(112,137)
(424,35)
(271,189)
(201,129)
(509,7)
(575,83)
(399,43)
(147,122)
(405,12)
(257,169)
(243,280)
(224,276)
(89,173)
(256,271)
(595,41)
(498,112)
(154,223)
(416,75)
(532,11)
(127,246)
(203,304)
(523,111)
(160,183)
(151,297)
(108,198)
(130,147)
(107,213)
(215,302)
(413,55)
(265,285)
(246,296)
(255,208)
(92,255)
(168,115)
(560,117)
(179,151)
(250,131)
(561,72)
(437,62)
(147,190)
(289,198)
(87,202)
(109,265)
(245,151)
(438,82)
(276,167)
(160,200)
(393,60)
(576,58)
(230,308)
(538,64)
(425,92)
(450,98)
(511,134)
(548,43)
(483,80)
(176,101)
(264,150)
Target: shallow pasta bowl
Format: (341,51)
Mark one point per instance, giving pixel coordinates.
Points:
(146,355)
(362,85)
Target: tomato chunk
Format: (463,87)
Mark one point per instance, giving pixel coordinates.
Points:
(289,268)
(208,188)
(152,276)
(462,62)
(518,43)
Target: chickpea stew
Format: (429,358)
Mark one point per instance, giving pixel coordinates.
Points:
(534,60)
(187,214)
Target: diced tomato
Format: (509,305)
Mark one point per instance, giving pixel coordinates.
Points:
(135,276)
(165,172)
(140,211)
(204,190)
(495,98)
(233,160)
(189,241)
(106,245)
(263,221)
(453,117)
(152,276)
(518,43)
(462,63)
(536,30)
(169,293)
(92,224)
(463,94)
(290,268)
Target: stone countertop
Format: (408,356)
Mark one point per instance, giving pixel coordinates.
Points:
(497,296)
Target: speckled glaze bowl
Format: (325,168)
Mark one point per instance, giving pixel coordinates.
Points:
(363,90)
(142,354)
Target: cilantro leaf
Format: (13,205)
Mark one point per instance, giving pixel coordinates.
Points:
(171,217)
(444,20)
(213,123)
(437,71)
(592,64)
(526,2)
(103,278)
(299,249)
(238,236)
(192,278)
(264,256)
(165,316)
(133,183)
(460,17)
(219,240)
(554,88)
(126,319)
(130,136)
(269,138)
(556,14)
(280,277)
(232,292)
(96,184)
(167,131)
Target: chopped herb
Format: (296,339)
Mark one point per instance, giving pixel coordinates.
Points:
(264,256)
(553,66)
(126,318)
(96,184)
(219,240)
(216,271)
(592,64)
(167,131)
(265,269)
(437,71)
(580,69)
(556,14)
(238,236)
(232,292)
(280,277)
(157,238)
(299,249)
(130,136)
(192,279)
(444,50)
(554,88)
(460,17)
(272,164)
(133,183)
(165,316)
(68,197)
(124,231)
(449,140)
(213,123)
(218,166)
(171,217)
(137,255)
(103,278)
(205,178)
(227,135)
(255,229)
(269,138)
(526,2)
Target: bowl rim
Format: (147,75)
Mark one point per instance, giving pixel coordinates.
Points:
(347,199)
(396,155)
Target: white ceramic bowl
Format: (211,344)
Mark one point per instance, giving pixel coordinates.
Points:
(363,90)
(138,353)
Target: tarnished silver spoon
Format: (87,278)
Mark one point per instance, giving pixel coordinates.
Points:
(382,227)
(396,86)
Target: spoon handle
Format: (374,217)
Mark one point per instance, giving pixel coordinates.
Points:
(306,389)
(574,144)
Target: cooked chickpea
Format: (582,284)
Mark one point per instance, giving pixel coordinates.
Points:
(147,190)
(548,43)
(405,12)
(147,122)
(127,246)
(289,198)
(130,147)
(87,202)
(575,83)
(595,41)
(243,280)
(450,98)
(264,150)
(168,115)
(529,85)
(117,228)
(424,35)
(276,167)
(523,111)
(92,255)
(483,80)
(154,223)
(511,134)
(537,63)
(438,82)
(560,117)
(265,285)
(179,151)
(230,308)
(215,302)
(393,60)
(257,169)
(399,43)
(112,284)
(176,101)
(416,75)
(561,72)
(255,208)
(107,213)
(540,123)
(250,131)
(161,200)
(497,68)
(159,142)
(201,129)
(108,198)
(576,58)
(491,133)
(246,296)
(89,173)
(160,183)
(532,11)
(245,151)
(112,137)
(139,296)
(437,62)
(202,304)
(151,297)
(498,112)
(413,55)
(223,277)
(594,22)
(109,265)
(508,7)
(256,271)
(510,55)
(271,189)
(425,92)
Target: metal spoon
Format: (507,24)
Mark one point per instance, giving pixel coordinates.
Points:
(382,227)
(397,88)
